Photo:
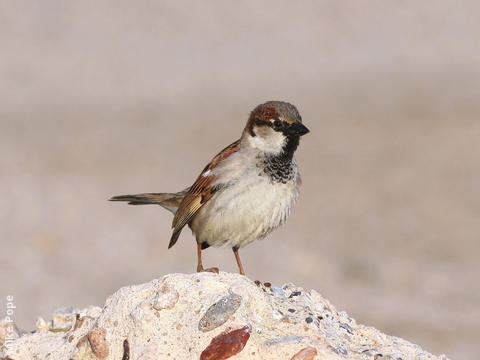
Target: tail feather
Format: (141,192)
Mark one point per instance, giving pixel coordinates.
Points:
(174,238)
(169,201)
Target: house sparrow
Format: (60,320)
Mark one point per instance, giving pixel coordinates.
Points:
(246,191)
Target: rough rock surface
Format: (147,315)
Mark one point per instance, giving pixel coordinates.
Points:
(208,316)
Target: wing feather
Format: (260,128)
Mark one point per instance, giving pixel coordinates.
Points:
(199,193)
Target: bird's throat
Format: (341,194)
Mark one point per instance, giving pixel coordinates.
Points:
(281,168)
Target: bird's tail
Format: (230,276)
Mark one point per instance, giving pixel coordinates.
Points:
(169,201)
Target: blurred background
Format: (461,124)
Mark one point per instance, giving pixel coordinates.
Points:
(105,98)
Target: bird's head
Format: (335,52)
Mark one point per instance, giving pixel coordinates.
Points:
(275,128)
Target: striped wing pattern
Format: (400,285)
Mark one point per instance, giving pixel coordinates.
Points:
(199,193)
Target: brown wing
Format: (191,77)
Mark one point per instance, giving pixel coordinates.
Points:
(200,192)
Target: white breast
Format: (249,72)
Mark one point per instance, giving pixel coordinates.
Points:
(248,209)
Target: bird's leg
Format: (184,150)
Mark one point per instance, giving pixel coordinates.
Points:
(199,258)
(239,263)
(199,262)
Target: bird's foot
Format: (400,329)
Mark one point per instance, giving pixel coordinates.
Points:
(212,269)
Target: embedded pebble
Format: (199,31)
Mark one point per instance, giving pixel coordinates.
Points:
(242,288)
(295,293)
(286,340)
(166,298)
(277,314)
(98,342)
(307,353)
(142,313)
(219,313)
(367,352)
(42,325)
(278,292)
(63,320)
(126,350)
(227,344)
(347,327)
(79,322)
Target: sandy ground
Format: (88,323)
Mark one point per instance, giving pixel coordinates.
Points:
(101,99)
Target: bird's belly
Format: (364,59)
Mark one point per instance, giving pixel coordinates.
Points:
(244,212)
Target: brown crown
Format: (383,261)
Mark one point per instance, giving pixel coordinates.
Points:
(263,113)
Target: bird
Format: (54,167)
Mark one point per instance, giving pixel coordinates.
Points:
(246,191)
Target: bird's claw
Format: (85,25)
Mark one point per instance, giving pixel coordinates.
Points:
(212,270)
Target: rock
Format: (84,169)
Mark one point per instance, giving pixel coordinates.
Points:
(166,298)
(219,313)
(98,342)
(207,316)
(307,353)
(226,344)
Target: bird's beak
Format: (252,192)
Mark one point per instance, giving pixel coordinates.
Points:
(297,128)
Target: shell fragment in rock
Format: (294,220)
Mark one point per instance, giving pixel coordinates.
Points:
(166,298)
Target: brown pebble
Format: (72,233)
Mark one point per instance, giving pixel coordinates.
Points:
(267,284)
(307,353)
(82,340)
(78,322)
(257,282)
(226,344)
(98,342)
(126,350)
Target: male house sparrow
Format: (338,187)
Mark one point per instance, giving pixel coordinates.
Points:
(246,191)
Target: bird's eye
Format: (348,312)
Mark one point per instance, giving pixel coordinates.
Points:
(277,123)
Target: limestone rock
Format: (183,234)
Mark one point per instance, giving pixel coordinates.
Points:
(209,316)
